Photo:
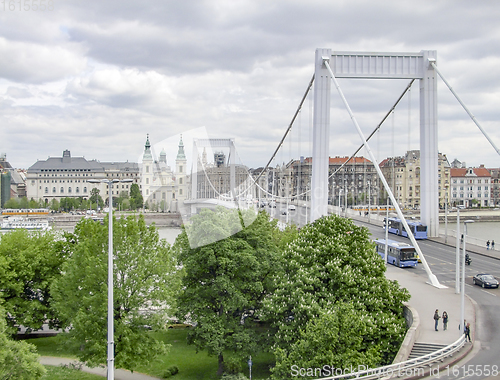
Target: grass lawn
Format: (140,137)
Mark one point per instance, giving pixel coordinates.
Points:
(50,347)
(192,365)
(64,373)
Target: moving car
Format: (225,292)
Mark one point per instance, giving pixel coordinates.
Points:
(485,280)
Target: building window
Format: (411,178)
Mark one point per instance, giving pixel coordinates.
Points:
(62,190)
(69,189)
(180,191)
(147,181)
(180,168)
(77,189)
(46,190)
(85,189)
(180,181)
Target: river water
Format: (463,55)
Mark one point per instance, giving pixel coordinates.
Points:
(477,233)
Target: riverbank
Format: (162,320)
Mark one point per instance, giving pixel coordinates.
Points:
(160,219)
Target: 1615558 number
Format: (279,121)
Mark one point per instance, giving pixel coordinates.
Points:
(472,370)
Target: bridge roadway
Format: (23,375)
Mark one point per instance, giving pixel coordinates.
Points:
(482,306)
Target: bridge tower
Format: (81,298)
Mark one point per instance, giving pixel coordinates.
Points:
(213,143)
(381,66)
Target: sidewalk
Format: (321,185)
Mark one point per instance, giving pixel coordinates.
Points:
(120,374)
(425,298)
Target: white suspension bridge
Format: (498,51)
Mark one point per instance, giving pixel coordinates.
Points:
(208,189)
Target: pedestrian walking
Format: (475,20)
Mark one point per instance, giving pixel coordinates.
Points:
(488,244)
(492,244)
(436,319)
(467,333)
(445,320)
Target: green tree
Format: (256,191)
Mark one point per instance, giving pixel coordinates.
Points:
(324,340)
(35,204)
(122,201)
(144,280)
(95,198)
(333,262)
(29,263)
(226,281)
(136,200)
(67,204)
(23,203)
(54,204)
(12,203)
(18,359)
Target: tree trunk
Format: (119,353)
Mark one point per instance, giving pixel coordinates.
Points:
(220,370)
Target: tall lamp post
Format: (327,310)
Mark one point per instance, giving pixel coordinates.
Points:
(462,295)
(446,186)
(369,202)
(111,343)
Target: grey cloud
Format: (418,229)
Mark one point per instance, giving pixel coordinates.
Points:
(18,93)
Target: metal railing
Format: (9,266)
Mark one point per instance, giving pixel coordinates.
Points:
(408,368)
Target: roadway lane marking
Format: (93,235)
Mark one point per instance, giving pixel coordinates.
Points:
(494,295)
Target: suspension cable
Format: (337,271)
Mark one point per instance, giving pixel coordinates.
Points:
(289,127)
(376,128)
(433,64)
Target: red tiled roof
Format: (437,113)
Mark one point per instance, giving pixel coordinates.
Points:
(461,172)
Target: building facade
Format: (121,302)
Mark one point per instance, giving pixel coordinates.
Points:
(67,176)
(161,186)
(403,177)
(470,187)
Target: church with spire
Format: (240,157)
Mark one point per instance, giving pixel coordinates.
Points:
(162,187)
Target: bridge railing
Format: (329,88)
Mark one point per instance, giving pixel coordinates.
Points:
(408,368)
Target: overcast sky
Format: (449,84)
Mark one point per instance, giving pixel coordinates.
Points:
(96,77)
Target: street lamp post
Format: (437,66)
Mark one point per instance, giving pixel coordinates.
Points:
(462,295)
(340,192)
(369,202)
(446,186)
(111,343)
(457,255)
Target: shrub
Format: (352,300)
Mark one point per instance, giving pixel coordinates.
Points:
(232,365)
(171,371)
(233,376)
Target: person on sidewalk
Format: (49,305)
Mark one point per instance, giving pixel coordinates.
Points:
(492,245)
(445,320)
(436,319)
(467,333)
(488,244)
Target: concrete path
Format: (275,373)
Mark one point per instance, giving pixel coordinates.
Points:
(426,299)
(120,374)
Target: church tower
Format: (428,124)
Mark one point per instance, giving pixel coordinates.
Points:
(180,172)
(147,171)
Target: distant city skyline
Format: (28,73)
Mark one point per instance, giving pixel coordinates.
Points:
(96,77)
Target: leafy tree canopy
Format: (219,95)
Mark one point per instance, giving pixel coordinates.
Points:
(29,263)
(136,200)
(333,262)
(225,281)
(144,280)
(18,359)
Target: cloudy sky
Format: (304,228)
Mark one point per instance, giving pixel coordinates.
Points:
(96,77)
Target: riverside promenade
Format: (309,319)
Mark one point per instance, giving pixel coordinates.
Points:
(120,374)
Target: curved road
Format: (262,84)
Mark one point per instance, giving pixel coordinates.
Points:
(484,361)
(441,258)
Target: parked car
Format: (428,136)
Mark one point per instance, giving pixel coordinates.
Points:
(485,280)
(291,207)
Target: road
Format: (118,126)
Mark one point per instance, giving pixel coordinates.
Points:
(484,363)
(441,260)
